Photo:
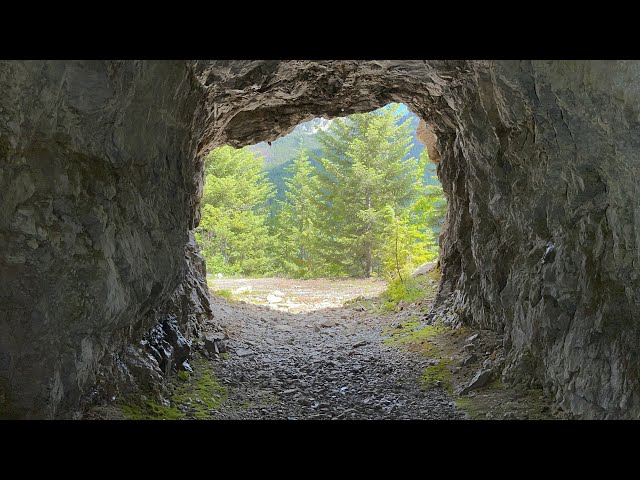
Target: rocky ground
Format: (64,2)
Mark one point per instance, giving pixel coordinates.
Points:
(352,360)
(331,364)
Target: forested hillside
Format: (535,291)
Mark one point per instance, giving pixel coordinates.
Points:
(354,196)
(280,155)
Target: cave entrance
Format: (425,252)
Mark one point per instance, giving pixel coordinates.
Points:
(314,240)
(354,197)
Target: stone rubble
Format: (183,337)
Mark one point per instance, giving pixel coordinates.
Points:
(342,371)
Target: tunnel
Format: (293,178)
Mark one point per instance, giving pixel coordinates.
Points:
(101,172)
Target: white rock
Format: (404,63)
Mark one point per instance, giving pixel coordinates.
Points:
(424,268)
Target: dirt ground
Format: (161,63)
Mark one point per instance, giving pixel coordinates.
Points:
(297,351)
(303,355)
(296,295)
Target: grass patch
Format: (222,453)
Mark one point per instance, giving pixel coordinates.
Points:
(406,336)
(420,340)
(410,291)
(149,410)
(225,293)
(200,391)
(468,405)
(254,292)
(404,328)
(437,376)
(202,394)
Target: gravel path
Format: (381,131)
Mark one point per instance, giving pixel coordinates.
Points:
(322,364)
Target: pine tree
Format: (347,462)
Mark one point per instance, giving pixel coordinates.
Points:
(364,171)
(296,224)
(233,231)
(431,204)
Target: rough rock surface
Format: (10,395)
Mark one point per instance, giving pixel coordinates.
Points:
(100,174)
(99,190)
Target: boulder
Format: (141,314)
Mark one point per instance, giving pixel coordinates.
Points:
(424,268)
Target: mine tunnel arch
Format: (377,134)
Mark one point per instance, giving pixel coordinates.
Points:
(422,139)
(269,117)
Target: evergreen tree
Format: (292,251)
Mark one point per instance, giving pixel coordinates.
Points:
(233,231)
(431,204)
(364,171)
(296,227)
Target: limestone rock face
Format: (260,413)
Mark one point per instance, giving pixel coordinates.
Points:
(101,175)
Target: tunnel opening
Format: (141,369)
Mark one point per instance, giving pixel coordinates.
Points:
(351,197)
(102,178)
(321,249)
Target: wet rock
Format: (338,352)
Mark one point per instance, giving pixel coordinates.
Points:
(168,345)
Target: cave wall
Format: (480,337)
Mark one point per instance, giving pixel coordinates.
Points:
(98,192)
(101,176)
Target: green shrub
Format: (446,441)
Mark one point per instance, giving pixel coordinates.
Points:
(409,291)
(224,293)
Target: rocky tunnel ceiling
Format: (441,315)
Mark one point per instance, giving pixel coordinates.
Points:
(101,174)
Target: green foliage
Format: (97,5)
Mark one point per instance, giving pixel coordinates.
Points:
(431,206)
(408,291)
(224,293)
(406,245)
(297,225)
(354,202)
(233,231)
(366,181)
